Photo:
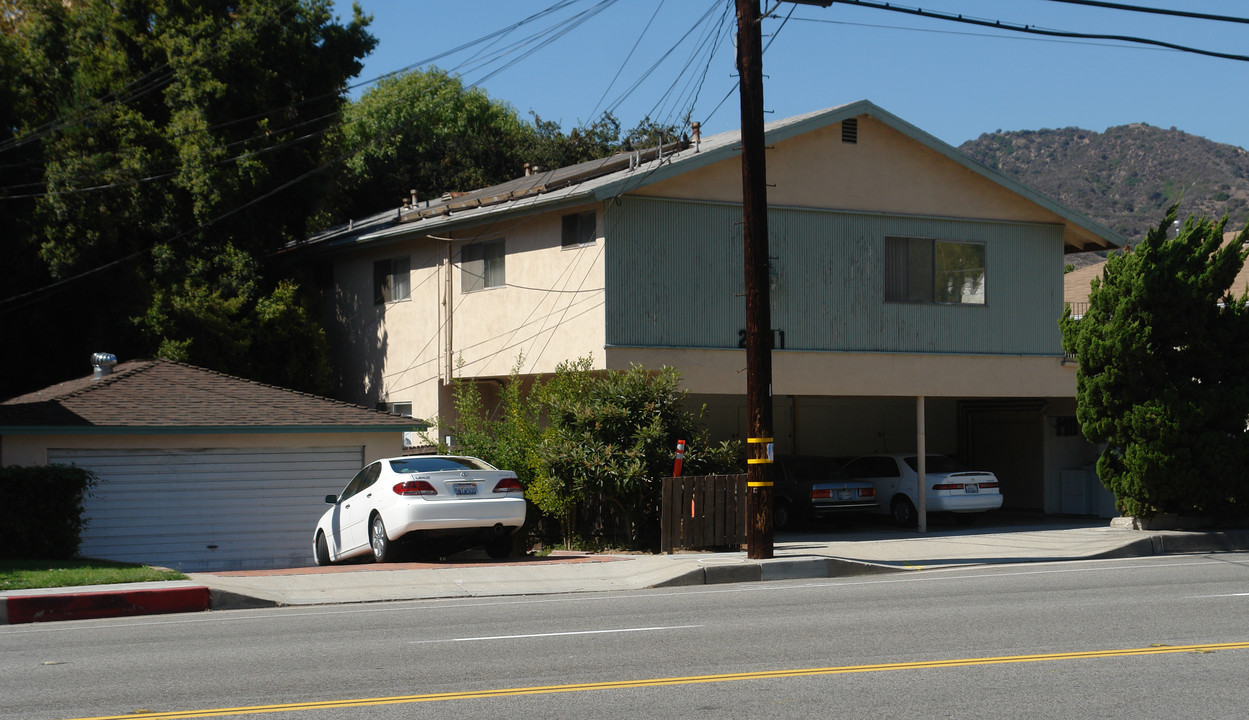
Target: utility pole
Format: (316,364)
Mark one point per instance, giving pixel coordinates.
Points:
(758,311)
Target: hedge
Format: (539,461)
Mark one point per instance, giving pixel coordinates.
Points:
(41,510)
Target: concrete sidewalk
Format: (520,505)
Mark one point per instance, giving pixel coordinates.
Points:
(823,554)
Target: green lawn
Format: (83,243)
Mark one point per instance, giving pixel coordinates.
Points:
(25,574)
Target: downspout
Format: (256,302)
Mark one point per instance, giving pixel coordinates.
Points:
(446,302)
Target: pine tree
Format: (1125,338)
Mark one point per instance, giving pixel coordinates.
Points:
(1163,377)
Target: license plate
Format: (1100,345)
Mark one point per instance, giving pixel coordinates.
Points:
(844,495)
(971,488)
(464,489)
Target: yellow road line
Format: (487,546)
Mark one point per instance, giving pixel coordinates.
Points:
(660,682)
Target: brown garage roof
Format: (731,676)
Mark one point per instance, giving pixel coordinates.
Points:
(172,395)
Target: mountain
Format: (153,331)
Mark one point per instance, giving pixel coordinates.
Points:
(1127,176)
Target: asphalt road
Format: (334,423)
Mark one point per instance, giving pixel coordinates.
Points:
(1158,637)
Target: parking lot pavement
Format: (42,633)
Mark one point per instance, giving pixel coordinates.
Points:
(813,551)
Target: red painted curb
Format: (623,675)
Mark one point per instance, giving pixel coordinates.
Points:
(122,603)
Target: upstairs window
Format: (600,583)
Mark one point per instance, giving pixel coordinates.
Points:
(390,280)
(923,270)
(578,230)
(482,265)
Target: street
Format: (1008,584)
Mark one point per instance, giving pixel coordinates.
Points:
(1074,639)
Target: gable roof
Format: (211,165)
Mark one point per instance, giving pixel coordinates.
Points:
(600,180)
(168,396)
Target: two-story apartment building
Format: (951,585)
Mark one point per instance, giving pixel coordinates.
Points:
(901,269)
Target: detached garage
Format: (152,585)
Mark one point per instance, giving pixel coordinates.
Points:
(198,471)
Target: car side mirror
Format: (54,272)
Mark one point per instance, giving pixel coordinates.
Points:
(331,499)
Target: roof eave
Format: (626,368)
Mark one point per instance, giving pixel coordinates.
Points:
(204,429)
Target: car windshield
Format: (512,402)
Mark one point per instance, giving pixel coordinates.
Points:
(936,464)
(407,466)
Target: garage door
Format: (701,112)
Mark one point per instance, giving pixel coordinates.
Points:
(212,509)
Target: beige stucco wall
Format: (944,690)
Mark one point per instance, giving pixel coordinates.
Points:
(885,171)
(550,310)
(864,374)
(389,352)
(33,449)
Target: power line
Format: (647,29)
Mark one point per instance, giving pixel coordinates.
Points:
(1155,11)
(1032,29)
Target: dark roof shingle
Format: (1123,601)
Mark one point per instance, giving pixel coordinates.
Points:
(168,394)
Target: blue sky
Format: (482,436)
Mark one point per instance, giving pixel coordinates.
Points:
(953,80)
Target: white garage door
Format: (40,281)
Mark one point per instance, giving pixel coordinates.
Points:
(214,509)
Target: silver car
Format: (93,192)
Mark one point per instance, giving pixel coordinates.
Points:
(951,487)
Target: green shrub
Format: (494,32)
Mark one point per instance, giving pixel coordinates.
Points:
(590,447)
(41,510)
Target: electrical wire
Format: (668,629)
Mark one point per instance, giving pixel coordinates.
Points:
(628,57)
(1032,29)
(1155,11)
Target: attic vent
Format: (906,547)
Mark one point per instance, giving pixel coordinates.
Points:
(850,131)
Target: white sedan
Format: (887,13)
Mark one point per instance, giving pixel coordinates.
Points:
(951,487)
(445,500)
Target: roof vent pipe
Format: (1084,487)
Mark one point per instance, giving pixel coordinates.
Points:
(696,130)
(103,364)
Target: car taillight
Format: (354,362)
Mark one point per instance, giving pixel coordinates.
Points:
(867,492)
(817,494)
(948,486)
(988,485)
(414,487)
(509,485)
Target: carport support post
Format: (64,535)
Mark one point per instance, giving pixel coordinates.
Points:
(921,459)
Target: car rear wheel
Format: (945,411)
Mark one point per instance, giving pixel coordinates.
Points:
(782,516)
(382,547)
(323,550)
(903,511)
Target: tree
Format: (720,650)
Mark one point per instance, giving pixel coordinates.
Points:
(163,151)
(424,131)
(1163,375)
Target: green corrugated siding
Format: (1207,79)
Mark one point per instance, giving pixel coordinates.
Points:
(675,279)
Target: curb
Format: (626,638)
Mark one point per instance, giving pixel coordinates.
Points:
(777,569)
(30,606)
(16,609)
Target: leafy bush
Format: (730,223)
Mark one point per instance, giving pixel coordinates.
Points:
(41,510)
(591,446)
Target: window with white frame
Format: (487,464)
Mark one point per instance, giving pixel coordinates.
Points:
(578,230)
(390,280)
(401,408)
(924,270)
(482,265)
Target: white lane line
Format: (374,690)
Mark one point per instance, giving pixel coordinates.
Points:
(1199,597)
(556,634)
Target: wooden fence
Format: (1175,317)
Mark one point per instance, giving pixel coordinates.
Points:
(703,512)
